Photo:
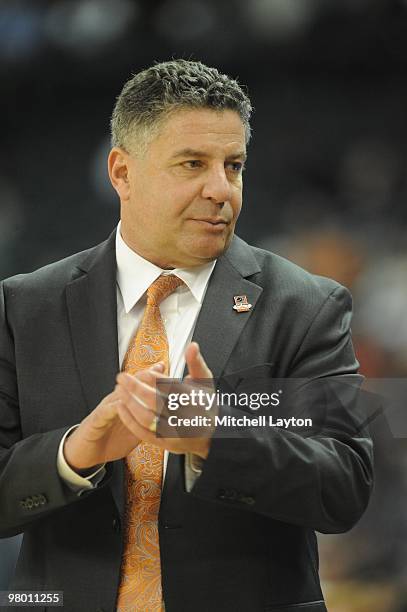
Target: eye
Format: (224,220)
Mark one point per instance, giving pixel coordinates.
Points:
(192,164)
(236,167)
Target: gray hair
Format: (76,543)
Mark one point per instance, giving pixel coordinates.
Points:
(150,96)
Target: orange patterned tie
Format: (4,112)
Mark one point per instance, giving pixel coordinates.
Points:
(140,585)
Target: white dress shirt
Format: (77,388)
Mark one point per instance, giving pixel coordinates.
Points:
(179,312)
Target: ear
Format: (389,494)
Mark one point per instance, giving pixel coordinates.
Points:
(118,167)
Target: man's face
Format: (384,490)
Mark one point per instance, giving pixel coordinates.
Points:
(180,201)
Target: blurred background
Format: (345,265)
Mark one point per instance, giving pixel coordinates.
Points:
(325,184)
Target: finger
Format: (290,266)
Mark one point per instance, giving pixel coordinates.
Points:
(151,378)
(106,414)
(144,390)
(136,406)
(143,433)
(140,388)
(141,395)
(140,401)
(149,375)
(197,367)
(108,399)
(152,373)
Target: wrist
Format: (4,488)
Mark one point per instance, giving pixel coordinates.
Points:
(68,451)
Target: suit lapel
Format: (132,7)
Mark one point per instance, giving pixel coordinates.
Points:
(219,325)
(92,312)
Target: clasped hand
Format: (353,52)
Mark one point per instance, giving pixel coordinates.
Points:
(125,416)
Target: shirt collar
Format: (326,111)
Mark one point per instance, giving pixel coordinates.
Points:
(135,274)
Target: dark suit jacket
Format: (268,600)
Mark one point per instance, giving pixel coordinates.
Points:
(243,539)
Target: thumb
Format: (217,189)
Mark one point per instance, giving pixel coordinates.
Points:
(197,367)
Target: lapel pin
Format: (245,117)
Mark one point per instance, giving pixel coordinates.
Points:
(241,303)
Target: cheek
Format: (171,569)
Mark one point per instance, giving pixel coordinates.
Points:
(180,199)
(148,201)
(237,204)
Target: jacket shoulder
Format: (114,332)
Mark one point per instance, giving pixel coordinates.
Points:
(291,293)
(281,274)
(56,275)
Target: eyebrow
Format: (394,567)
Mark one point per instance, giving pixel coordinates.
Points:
(195,153)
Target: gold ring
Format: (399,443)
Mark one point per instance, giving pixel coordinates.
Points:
(153,425)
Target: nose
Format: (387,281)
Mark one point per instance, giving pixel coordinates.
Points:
(217,186)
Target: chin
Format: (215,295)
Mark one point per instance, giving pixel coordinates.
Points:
(201,249)
(208,252)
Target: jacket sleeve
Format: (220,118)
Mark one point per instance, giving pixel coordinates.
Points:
(30,486)
(319,476)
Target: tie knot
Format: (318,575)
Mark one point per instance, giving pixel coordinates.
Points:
(161,288)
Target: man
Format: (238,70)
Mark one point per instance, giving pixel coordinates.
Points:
(114,515)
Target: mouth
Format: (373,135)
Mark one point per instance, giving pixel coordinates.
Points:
(214,223)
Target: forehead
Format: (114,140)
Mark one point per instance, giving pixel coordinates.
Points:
(198,128)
